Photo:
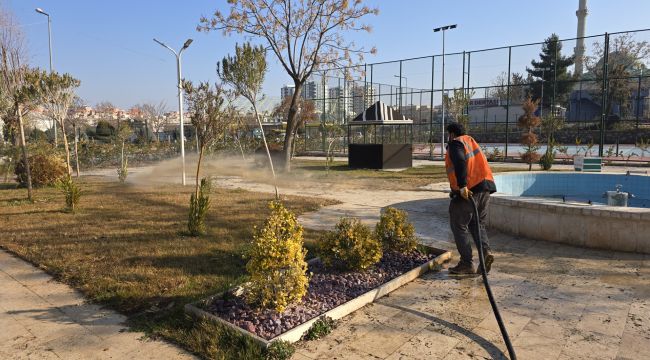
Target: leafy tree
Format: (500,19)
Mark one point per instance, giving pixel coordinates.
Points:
(245,72)
(18,86)
(305,36)
(528,122)
(56,92)
(551,72)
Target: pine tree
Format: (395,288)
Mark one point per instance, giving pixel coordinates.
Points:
(551,68)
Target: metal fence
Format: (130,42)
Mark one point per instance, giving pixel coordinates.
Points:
(605,105)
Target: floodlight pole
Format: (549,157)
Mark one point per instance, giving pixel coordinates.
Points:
(406,82)
(49,43)
(442,136)
(541,100)
(180,96)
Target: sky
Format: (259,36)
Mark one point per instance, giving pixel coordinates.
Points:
(108,44)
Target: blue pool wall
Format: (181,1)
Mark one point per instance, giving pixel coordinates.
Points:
(574,185)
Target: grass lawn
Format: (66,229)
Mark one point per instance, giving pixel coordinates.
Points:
(126,249)
(308,172)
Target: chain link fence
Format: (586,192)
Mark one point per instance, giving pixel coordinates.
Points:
(601,99)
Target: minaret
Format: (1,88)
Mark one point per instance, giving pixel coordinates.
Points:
(579,50)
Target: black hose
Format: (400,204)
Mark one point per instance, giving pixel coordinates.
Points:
(495,309)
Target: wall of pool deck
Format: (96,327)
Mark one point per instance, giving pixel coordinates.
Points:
(530,205)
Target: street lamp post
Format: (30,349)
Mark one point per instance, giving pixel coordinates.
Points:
(406,81)
(49,42)
(180,95)
(442,136)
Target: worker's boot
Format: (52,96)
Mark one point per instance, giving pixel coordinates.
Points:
(489,259)
(462,268)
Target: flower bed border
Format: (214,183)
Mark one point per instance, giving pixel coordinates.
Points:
(338,312)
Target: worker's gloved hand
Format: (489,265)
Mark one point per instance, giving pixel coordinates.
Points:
(465,193)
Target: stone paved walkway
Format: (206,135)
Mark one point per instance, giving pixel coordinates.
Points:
(44,319)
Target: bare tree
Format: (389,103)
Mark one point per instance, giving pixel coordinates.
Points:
(106,110)
(625,56)
(154,116)
(518,87)
(13,58)
(305,36)
(77,122)
(205,104)
(306,113)
(456,105)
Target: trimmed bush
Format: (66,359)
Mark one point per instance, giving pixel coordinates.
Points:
(71,191)
(395,231)
(352,246)
(199,208)
(277,264)
(46,170)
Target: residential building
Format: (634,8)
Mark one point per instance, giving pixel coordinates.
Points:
(317,92)
(287,91)
(362,98)
(340,103)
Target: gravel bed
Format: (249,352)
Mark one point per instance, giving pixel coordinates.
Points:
(327,289)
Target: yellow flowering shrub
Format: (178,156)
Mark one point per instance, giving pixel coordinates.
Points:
(277,265)
(395,231)
(351,246)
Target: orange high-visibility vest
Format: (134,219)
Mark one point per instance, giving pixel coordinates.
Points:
(477,165)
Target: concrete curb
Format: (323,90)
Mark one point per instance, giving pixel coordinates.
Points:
(338,312)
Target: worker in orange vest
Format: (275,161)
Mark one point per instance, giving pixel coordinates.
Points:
(469,176)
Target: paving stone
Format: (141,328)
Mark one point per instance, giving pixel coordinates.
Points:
(533,346)
(427,344)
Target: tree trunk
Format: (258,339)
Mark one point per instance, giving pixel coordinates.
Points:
(198,172)
(146,131)
(122,157)
(241,148)
(76,150)
(268,153)
(292,122)
(67,148)
(23,145)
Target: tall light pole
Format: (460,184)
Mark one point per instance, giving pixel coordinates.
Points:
(406,81)
(180,95)
(442,137)
(49,41)
(541,100)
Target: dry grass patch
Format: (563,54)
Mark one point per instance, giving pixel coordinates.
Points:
(126,248)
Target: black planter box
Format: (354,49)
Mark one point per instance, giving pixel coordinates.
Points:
(380,156)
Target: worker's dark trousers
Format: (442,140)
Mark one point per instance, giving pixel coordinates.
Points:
(461,217)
